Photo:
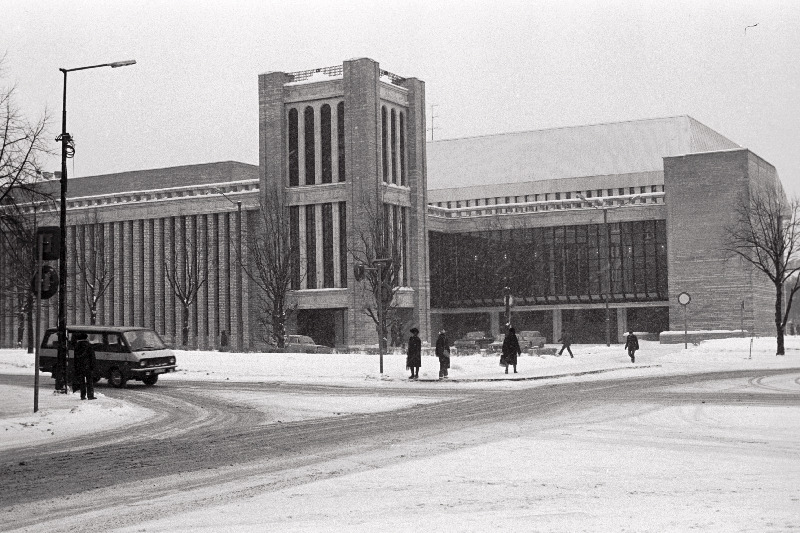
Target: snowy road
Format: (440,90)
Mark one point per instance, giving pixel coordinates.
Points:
(207,448)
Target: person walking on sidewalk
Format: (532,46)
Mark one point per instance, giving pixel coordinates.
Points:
(414,357)
(632,344)
(443,353)
(510,350)
(566,342)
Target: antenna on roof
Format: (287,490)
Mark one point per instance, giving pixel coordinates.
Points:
(433,116)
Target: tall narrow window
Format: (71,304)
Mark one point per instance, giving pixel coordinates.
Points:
(384,143)
(309,138)
(402,148)
(325,144)
(404,245)
(343,243)
(311,248)
(340,137)
(294,157)
(327,245)
(394,147)
(294,244)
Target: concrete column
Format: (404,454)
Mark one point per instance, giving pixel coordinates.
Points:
(138,272)
(622,324)
(119,275)
(169,294)
(557,324)
(494,323)
(149,293)
(301,233)
(158,275)
(202,300)
(225,279)
(108,257)
(213,281)
(192,264)
(337,251)
(318,231)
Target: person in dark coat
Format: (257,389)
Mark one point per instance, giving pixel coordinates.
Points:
(414,357)
(85,363)
(510,350)
(566,341)
(632,344)
(443,353)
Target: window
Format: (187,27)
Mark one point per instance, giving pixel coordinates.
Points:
(394,147)
(327,245)
(402,148)
(325,144)
(311,248)
(294,160)
(384,145)
(310,152)
(343,243)
(340,137)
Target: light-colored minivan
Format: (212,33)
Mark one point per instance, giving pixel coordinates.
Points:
(123,353)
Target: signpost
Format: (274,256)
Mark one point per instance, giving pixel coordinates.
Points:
(684,298)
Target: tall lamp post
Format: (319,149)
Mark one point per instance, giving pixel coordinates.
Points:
(67,151)
(605,207)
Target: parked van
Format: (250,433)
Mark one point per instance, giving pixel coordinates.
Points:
(123,353)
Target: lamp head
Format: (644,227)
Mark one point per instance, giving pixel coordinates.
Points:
(123,63)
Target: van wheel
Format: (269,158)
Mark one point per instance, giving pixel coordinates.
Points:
(116,378)
(150,380)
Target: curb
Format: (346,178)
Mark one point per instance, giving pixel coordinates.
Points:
(534,378)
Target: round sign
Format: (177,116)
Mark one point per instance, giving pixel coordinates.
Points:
(48,281)
(684,298)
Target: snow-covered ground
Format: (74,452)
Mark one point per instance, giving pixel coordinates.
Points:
(676,468)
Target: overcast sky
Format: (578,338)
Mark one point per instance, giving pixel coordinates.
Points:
(489,67)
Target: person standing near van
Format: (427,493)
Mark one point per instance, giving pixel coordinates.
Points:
(566,342)
(85,363)
(443,353)
(632,344)
(414,357)
(511,350)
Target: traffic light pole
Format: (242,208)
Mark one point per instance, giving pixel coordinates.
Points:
(37,340)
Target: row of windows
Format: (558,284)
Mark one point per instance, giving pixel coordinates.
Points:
(303,163)
(546,197)
(624,261)
(306,246)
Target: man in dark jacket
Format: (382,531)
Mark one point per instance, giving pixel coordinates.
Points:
(414,358)
(632,344)
(443,353)
(566,341)
(510,350)
(85,362)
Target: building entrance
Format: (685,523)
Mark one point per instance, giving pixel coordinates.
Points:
(325,326)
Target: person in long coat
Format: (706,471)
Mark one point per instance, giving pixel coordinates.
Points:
(511,350)
(443,353)
(566,342)
(85,363)
(632,344)
(414,357)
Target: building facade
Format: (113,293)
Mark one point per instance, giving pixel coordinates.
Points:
(595,229)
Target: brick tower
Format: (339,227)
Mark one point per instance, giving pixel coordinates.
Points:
(335,143)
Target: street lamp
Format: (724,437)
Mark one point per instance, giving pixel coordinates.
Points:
(67,151)
(607,282)
(239,317)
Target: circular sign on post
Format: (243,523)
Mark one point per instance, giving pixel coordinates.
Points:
(684,298)
(48,282)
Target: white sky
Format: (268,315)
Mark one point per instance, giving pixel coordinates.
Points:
(489,67)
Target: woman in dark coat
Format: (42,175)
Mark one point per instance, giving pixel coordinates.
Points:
(443,353)
(414,358)
(510,350)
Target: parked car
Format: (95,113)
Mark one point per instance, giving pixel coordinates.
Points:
(305,344)
(123,353)
(474,340)
(526,339)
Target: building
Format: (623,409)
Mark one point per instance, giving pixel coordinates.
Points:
(594,228)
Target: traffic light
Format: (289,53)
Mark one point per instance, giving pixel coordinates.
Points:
(50,237)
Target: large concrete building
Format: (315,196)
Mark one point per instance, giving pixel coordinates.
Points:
(593,228)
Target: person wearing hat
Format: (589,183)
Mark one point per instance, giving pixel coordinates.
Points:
(85,363)
(511,350)
(443,353)
(414,357)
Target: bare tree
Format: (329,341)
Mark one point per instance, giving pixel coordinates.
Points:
(274,258)
(185,275)
(379,251)
(766,234)
(22,144)
(97,274)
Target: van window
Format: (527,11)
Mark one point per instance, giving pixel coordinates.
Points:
(51,340)
(144,340)
(115,344)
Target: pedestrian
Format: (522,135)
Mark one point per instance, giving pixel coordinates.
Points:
(566,341)
(414,357)
(510,350)
(85,363)
(632,344)
(443,353)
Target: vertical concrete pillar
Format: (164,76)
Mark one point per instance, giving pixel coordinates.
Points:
(622,324)
(202,300)
(158,275)
(108,257)
(213,281)
(557,325)
(169,294)
(225,273)
(137,245)
(119,275)
(149,284)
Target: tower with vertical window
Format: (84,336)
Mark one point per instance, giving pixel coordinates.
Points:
(343,148)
